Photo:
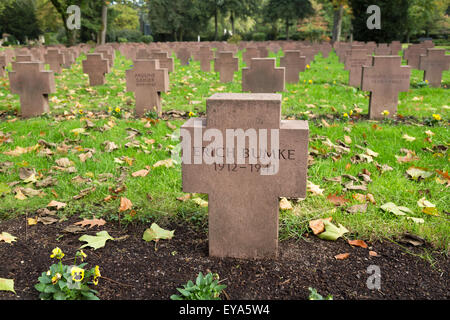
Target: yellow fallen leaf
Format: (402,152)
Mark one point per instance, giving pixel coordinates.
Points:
(32,221)
(285,204)
(168,163)
(200,202)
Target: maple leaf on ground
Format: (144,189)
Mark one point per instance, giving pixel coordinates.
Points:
(337,200)
(410,156)
(97,241)
(8,238)
(7,285)
(417,173)
(156,233)
(19,150)
(314,189)
(332,232)
(91,222)
(56,204)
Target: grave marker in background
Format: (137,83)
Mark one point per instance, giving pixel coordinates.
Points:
(385,79)
(96,67)
(147,81)
(434,63)
(263,76)
(33,84)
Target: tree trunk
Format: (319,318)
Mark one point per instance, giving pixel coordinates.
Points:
(232,22)
(287,29)
(104,24)
(337,24)
(216,24)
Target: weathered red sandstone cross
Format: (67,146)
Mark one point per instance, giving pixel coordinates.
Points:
(434,63)
(205,55)
(263,76)
(294,64)
(33,84)
(96,67)
(243,202)
(385,79)
(226,65)
(147,80)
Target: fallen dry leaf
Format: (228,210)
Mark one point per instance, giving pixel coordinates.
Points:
(337,200)
(373,254)
(357,243)
(91,222)
(125,204)
(285,204)
(58,205)
(313,188)
(342,256)
(185,197)
(140,173)
(168,163)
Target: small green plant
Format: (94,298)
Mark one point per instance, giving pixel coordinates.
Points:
(314,295)
(205,288)
(151,115)
(63,282)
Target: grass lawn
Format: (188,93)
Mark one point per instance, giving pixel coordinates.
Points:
(82,121)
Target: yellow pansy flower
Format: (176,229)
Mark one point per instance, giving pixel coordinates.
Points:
(310,81)
(77,274)
(191,114)
(437,117)
(96,275)
(57,253)
(56,278)
(385,113)
(117,109)
(345,115)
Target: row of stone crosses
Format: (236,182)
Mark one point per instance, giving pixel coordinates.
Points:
(372,67)
(243,203)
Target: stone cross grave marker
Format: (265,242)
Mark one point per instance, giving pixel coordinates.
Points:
(243,186)
(21,58)
(249,54)
(3,63)
(383,49)
(143,54)
(396,46)
(164,61)
(434,63)
(184,54)
(147,80)
(412,55)
(33,84)
(263,52)
(108,53)
(263,76)
(294,63)
(385,78)
(354,61)
(55,59)
(95,66)
(226,64)
(69,58)
(325,48)
(205,55)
